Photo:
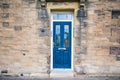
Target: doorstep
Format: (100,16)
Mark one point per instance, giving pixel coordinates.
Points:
(61,73)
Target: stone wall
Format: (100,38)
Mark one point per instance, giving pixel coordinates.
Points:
(103,46)
(23,50)
(25,40)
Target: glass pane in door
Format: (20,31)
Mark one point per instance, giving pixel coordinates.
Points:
(57,35)
(66,32)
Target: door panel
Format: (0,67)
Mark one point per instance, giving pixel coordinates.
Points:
(62,45)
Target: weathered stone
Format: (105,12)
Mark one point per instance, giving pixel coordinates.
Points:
(79,70)
(115,50)
(17,28)
(4,71)
(42,14)
(25,74)
(31,1)
(77,49)
(5,5)
(5,24)
(83,49)
(5,15)
(39,75)
(115,14)
(118,57)
(44,32)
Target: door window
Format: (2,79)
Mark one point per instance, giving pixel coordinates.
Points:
(62,16)
(57,35)
(66,35)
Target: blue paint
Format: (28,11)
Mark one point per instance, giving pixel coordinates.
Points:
(62,51)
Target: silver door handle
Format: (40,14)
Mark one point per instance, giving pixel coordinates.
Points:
(61,48)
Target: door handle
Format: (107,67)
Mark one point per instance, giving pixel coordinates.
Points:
(61,48)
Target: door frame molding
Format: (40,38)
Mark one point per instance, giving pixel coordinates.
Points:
(52,13)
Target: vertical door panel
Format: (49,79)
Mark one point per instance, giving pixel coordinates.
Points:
(62,45)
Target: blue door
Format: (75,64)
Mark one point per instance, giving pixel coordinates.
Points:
(62,45)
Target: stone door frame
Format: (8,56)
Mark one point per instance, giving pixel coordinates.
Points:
(52,13)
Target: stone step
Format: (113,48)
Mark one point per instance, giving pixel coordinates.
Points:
(61,73)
